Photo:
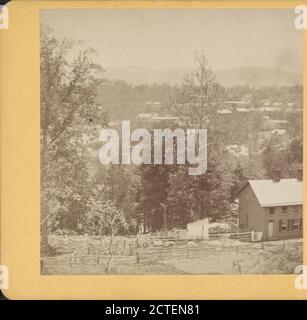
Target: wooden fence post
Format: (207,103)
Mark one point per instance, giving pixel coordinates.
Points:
(124,246)
(137,249)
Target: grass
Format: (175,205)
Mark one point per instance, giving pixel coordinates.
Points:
(206,257)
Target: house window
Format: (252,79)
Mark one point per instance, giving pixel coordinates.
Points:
(295,224)
(284,210)
(301,224)
(282,226)
(295,209)
(272,210)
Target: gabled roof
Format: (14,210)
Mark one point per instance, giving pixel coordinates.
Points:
(283,193)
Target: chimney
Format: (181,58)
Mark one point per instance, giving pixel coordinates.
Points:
(276,175)
(299,174)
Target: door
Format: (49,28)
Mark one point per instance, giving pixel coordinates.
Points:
(271,230)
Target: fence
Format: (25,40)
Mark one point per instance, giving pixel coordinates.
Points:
(188,252)
(88,255)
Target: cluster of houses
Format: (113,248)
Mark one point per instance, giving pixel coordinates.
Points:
(260,125)
(266,107)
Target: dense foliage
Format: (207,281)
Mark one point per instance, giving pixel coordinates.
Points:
(81,196)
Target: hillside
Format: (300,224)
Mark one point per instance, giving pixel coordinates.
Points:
(258,76)
(253,76)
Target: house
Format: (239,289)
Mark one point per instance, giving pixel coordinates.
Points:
(273,207)
(198,229)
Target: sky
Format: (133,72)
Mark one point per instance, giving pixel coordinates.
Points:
(169,38)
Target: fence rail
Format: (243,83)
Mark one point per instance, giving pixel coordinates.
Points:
(88,255)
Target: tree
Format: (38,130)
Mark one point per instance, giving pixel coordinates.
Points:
(68,114)
(105,220)
(196,102)
(152,196)
(285,160)
(196,105)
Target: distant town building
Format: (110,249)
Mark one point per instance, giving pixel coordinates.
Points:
(164,121)
(144,116)
(242,110)
(235,104)
(269,109)
(224,111)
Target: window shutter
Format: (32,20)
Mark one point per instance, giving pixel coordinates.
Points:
(289,225)
(280,225)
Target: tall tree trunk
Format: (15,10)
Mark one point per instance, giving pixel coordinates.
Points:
(44,204)
(44,179)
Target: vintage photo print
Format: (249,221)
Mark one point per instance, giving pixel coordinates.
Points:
(171,141)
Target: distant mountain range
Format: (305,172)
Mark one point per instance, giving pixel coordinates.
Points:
(253,76)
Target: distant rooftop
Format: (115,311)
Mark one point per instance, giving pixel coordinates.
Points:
(283,193)
(269,109)
(236,102)
(164,118)
(224,111)
(153,103)
(277,121)
(144,115)
(242,109)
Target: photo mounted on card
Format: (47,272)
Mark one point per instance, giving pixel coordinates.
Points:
(152,144)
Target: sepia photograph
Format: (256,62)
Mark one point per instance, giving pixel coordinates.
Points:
(171,141)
